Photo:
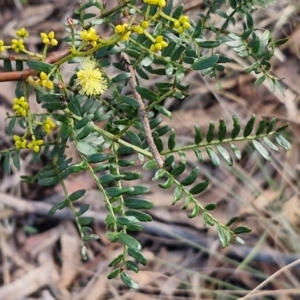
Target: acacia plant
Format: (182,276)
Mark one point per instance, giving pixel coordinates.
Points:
(149,37)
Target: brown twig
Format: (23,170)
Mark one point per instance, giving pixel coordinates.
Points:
(22,75)
(142,113)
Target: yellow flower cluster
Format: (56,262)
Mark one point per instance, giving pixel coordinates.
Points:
(90,36)
(126,36)
(48,125)
(35,144)
(17,45)
(22,33)
(120,29)
(91,78)
(182,23)
(159,44)
(20,143)
(49,39)
(44,81)
(160,3)
(20,107)
(140,29)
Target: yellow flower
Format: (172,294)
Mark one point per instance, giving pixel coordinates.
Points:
(49,39)
(90,36)
(182,23)
(22,33)
(139,29)
(126,36)
(159,44)
(145,24)
(91,78)
(20,143)
(20,107)
(120,29)
(162,3)
(35,144)
(183,19)
(17,45)
(48,125)
(44,81)
(177,24)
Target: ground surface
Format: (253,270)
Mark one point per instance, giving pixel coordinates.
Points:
(186,260)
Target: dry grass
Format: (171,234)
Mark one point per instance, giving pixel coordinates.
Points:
(186,260)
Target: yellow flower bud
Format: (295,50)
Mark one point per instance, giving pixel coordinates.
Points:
(46,41)
(159,39)
(51,35)
(180,29)
(177,24)
(43,76)
(43,35)
(22,33)
(145,24)
(36,148)
(126,36)
(158,46)
(49,85)
(152,48)
(186,25)
(164,44)
(54,42)
(161,3)
(183,19)
(119,29)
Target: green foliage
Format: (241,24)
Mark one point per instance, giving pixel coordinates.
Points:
(169,46)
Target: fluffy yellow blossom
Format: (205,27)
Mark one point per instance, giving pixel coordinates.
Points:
(20,143)
(48,125)
(35,144)
(139,29)
(126,36)
(121,29)
(20,107)
(17,45)
(22,33)
(90,78)
(90,36)
(49,39)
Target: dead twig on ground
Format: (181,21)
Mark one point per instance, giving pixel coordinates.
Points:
(23,75)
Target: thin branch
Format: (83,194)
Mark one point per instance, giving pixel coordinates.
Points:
(22,75)
(254,292)
(142,112)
